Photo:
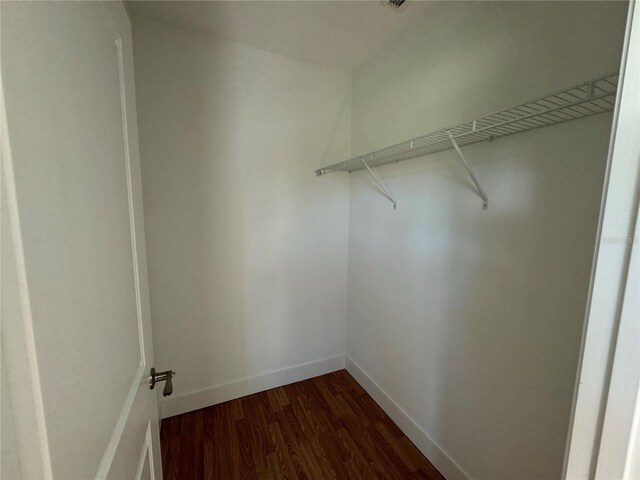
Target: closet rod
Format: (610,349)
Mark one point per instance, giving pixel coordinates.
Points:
(582,100)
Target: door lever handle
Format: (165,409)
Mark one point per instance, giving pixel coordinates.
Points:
(166,377)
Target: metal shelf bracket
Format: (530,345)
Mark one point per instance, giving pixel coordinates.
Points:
(381,184)
(485,200)
(592,97)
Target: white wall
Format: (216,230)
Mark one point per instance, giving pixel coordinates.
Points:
(247,250)
(469,320)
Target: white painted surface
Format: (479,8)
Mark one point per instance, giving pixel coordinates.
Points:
(632,471)
(632,467)
(601,435)
(434,452)
(342,35)
(9,450)
(194,400)
(471,320)
(618,447)
(76,326)
(22,455)
(247,248)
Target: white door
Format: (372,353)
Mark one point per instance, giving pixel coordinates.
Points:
(76,337)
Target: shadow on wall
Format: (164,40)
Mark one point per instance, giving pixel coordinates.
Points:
(520,275)
(247,248)
(471,320)
(478,314)
(191,203)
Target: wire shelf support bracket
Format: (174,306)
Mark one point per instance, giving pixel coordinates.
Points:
(381,184)
(588,98)
(485,200)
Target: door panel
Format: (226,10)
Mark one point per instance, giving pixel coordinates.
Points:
(73,166)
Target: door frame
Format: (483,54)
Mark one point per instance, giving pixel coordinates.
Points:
(606,389)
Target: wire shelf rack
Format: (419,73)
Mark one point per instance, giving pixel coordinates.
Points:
(583,100)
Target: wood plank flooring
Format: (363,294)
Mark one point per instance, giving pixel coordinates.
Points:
(326,427)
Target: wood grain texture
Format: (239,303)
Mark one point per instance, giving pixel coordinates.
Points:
(326,427)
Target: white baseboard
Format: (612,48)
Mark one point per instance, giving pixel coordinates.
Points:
(224,392)
(436,455)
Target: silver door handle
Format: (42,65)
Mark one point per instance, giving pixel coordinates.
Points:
(165,376)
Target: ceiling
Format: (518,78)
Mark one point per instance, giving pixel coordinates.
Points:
(341,35)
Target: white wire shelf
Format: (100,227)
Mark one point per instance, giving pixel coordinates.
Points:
(583,100)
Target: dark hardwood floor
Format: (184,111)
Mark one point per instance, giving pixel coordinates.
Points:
(325,427)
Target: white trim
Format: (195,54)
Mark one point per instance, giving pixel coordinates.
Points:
(112,446)
(624,386)
(25,299)
(132,223)
(632,460)
(147,451)
(140,376)
(427,445)
(224,392)
(610,266)
(152,468)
